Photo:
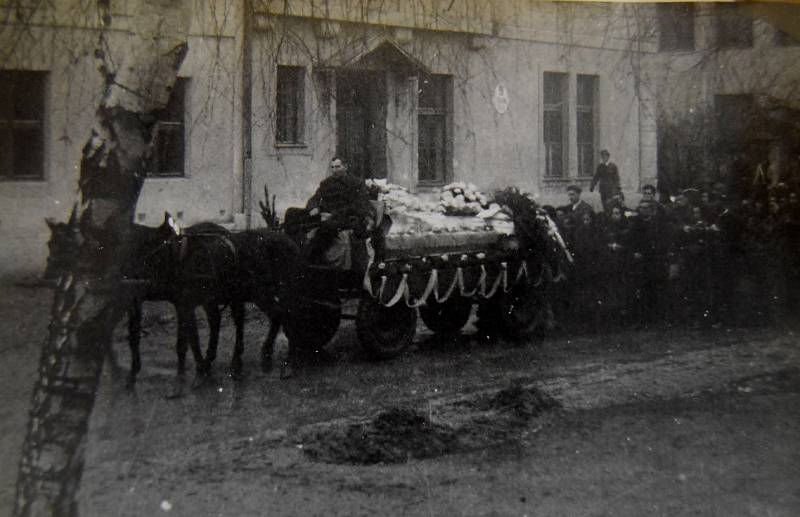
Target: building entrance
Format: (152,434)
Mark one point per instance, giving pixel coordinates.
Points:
(361,121)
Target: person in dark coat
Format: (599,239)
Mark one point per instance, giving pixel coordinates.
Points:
(343,205)
(588,256)
(576,206)
(612,275)
(606,178)
(649,241)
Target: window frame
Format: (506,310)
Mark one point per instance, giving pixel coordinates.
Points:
(441,111)
(592,110)
(562,108)
(297,74)
(12,124)
(172,124)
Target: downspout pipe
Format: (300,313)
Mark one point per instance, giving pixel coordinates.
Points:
(247,111)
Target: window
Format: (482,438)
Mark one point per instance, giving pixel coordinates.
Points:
(675,26)
(734,114)
(433,127)
(586,112)
(289,116)
(734,26)
(22,125)
(555,130)
(169,143)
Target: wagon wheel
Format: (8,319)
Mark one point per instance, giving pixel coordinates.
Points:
(384,332)
(446,318)
(515,316)
(520,314)
(311,325)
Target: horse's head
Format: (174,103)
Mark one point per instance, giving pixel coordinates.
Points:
(63,246)
(159,253)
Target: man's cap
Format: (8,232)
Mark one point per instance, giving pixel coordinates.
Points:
(574,188)
(605,151)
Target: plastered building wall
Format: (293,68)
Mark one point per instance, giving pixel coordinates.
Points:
(491,148)
(482,45)
(60,41)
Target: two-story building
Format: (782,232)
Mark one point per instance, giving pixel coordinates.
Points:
(422,93)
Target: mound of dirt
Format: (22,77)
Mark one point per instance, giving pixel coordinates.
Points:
(523,403)
(393,436)
(401,434)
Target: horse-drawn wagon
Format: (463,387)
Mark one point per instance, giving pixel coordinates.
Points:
(436,267)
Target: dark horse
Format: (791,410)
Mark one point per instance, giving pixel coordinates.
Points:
(65,240)
(256,266)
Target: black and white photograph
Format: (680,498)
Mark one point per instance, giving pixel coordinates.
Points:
(399,258)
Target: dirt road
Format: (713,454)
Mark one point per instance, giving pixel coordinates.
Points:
(633,423)
(645,423)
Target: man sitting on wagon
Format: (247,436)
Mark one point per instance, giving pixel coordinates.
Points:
(345,214)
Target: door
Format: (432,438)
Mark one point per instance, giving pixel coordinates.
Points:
(361,122)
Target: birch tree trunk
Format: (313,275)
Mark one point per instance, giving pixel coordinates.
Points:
(139,68)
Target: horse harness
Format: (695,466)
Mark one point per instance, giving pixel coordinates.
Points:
(183,250)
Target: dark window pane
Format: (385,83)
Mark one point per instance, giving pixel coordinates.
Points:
(6,96)
(585,158)
(170,150)
(553,128)
(174,110)
(676,26)
(734,26)
(433,93)
(28,151)
(585,127)
(554,87)
(22,124)
(289,105)
(29,96)
(6,150)
(431,147)
(169,145)
(587,85)
(554,156)
(585,115)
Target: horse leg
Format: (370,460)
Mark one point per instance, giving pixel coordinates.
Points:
(187,335)
(237,310)
(194,342)
(268,347)
(213,315)
(134,336)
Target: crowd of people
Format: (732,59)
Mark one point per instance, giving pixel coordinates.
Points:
(705,258)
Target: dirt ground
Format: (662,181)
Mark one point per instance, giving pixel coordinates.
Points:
(667,422)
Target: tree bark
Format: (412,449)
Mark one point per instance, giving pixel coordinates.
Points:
(139,69)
